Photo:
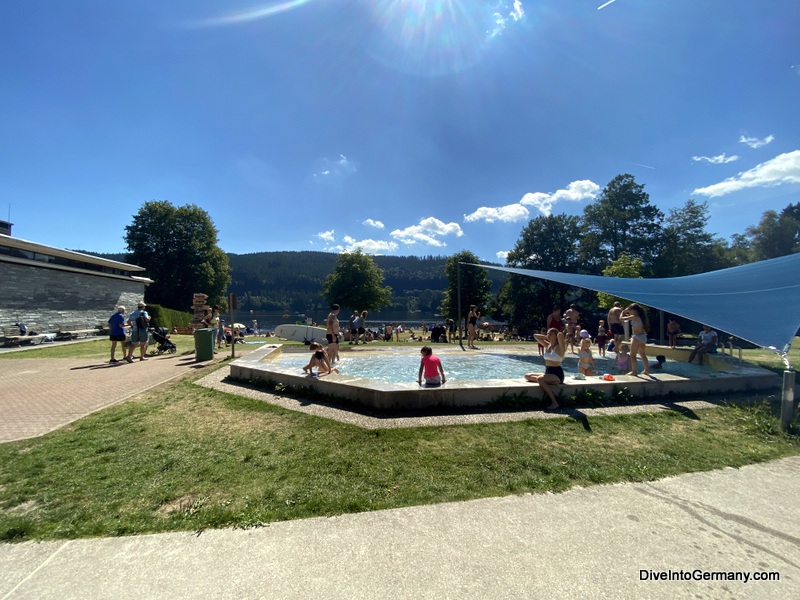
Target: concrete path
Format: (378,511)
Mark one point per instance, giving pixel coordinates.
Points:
(601,542)
(40,395)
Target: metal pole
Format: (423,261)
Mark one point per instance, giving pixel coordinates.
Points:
(458,295)
(661,327)
(787,400)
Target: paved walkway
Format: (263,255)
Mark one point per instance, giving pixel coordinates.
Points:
(40,395)
(599,542)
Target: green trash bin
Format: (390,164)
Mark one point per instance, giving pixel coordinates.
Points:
(203,344)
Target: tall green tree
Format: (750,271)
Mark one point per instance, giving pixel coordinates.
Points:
(621,220)
(356,282)
(624,266)
(687,247)
(546,243)
(775,235)
(178,247)
(475,286)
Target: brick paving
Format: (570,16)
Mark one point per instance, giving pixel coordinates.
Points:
(38,395)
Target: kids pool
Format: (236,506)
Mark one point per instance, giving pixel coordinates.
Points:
(462,366)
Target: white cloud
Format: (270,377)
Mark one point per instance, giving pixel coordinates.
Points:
(372,223)
(338,167)
(755,142)
(327,236)
(602,6)
(720,159)
(427,232)
(369,246)
(502,255)
(514,13)
(505,214)
(543,202)
(784,168)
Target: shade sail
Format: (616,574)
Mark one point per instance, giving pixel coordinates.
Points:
(758,302)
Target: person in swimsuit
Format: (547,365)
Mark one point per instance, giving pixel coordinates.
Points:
(554,319)
(555,348)
(639,327)
(622,361)
(472,326)
(586,364)
(615,324)
(332,333)
(602,338)
(673,331)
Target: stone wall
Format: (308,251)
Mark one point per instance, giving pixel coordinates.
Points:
(50,297)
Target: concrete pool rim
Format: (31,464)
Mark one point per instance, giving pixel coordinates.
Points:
(356,393)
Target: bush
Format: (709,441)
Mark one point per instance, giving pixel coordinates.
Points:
(167,317)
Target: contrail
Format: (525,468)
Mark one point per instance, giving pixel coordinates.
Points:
(601,7)
(640,164)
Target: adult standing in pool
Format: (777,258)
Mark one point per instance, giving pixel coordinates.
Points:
(554,319)
(555,347)
(472,326)
(615,324)
(332,333)
(639,328)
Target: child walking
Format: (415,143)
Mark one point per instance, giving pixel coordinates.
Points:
(431,367)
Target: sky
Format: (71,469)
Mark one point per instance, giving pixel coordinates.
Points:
(401,127)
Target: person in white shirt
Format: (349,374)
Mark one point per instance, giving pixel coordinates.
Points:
(706,342)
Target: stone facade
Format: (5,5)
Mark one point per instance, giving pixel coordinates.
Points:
(50,296)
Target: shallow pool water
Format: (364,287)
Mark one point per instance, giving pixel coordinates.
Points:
(465,366)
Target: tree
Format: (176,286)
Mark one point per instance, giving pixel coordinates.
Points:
(475,286)
(775,235)
(624,266)
(356,282)
(178,247)
(621,220)
(546,243)
(686,247)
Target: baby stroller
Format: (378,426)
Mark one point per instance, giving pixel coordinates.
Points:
(161,337)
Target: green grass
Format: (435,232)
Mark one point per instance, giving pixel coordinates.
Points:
(186,458)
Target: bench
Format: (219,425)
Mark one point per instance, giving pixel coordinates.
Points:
(12,336)
(73,331)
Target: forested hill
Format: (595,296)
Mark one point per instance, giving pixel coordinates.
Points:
(293,280)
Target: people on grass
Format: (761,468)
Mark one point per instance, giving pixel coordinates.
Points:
(637,317)
(555,348)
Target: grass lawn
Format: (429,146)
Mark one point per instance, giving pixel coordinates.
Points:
(184,457)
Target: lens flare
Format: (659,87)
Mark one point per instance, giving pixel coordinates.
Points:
(252,14)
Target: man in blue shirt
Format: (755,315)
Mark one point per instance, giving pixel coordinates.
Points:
(116,332)
(139,321)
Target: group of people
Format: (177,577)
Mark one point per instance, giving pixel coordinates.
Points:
(138,322)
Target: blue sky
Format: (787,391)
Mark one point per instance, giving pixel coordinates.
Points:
(399,126)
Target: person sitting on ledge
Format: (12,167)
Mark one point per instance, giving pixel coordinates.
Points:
(706,342)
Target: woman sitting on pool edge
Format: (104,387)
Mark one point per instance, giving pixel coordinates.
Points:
(555,347)
(431,366)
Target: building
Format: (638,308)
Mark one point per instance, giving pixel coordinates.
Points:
(52,287)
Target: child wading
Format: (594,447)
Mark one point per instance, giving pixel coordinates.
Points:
(431,367)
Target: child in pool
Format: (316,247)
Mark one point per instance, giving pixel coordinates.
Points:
(602,338)
(622,362)
(586,364)
(431,367)
(319,360)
